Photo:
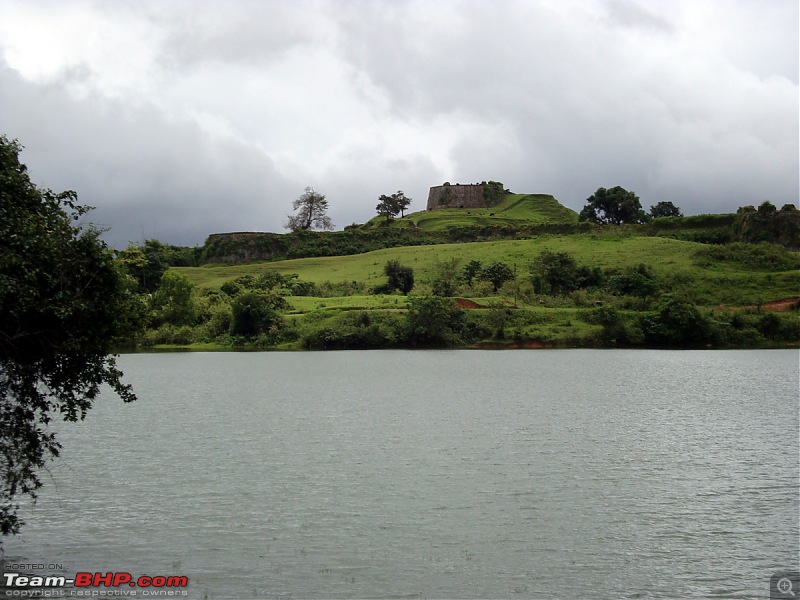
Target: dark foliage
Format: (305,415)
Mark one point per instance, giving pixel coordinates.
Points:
(613,206)
(399,277)
(64,303)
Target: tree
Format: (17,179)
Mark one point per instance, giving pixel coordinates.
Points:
(399,277)
(615,206)
(434,321)
(386,208)
(256,312)
(470,271)
(445,277)
(173,301)
(390,206)
(665,209)
(496,274)
(401,202)
(554,273)
(312,208)
(64,301)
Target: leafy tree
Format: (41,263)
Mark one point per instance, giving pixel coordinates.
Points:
(173,300)
(554,273)
(434,321)
(311,210)
(256,312)
(497,274)
(391,206)
(64,302)
(399,277)
(470,271)
(615,206)
(678,322)
(634,281)
(445,277)
(146,264)
(386,208)
(665,209)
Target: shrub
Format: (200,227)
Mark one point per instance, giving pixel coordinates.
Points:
(399,277)
(254,313)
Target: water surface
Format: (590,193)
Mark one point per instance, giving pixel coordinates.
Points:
(446,474)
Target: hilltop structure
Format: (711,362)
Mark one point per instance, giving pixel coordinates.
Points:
(473,195)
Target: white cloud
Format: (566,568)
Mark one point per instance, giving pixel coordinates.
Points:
(206,115)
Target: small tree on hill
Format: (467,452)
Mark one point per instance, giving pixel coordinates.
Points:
(390,206)
(386,207)
(311,210)
(399,277)
(614,206)
(665,209)
(470,271)
(496,274)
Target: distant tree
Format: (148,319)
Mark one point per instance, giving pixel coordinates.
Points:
(173,301)
(677,322)
(256,312)
(386,207)
(497,274)
(614,206)
(64,303)
(399,277)
(434,321)
(554,273)
(311,210)
(470,271)
(445,277)
(665,209)
(401,202)
(391,206)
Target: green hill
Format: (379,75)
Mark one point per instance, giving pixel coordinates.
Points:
(515,209)
(686,282)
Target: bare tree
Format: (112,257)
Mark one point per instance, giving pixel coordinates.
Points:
(311,208)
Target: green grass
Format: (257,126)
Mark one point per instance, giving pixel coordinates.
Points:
(515,209)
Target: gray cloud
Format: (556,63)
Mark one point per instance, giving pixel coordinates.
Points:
(184,118)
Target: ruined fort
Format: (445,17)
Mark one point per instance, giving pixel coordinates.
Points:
(472,195)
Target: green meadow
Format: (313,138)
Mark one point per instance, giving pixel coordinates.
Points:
(675,262)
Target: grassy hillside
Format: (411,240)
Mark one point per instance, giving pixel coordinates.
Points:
(515,209)
(686,282)
(676,262)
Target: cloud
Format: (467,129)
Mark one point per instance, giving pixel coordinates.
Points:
(184,118)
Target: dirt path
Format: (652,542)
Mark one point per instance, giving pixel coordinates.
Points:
(781,305)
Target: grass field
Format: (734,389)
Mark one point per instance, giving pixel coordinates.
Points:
(672,260)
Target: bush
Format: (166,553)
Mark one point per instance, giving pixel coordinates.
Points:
(760,257)
(634,281)
(677,323)
(399,277)
(435,321)
(254,313)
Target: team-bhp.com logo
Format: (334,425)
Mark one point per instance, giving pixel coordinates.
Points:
(88,584)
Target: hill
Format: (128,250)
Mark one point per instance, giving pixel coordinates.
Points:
(513,210)
(523,273)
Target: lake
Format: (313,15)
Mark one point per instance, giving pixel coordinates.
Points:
(444,474)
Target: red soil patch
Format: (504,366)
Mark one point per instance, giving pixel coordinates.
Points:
(781,305)
(464,303)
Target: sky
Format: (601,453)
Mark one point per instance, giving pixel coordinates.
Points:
(181,118)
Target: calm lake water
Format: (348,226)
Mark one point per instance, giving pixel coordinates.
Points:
(434,474)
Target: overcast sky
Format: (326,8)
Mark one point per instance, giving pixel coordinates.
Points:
(177,119)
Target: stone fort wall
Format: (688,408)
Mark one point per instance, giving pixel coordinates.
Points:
(457,196)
